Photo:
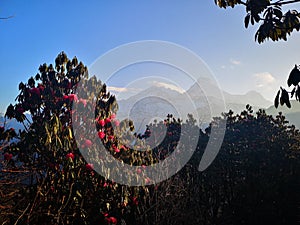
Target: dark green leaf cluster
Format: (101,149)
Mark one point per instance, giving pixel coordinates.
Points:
(283,96)
(253,180)
(274,23)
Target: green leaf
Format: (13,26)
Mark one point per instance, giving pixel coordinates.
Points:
(278,13)
(294,77)
(247,19)
(70,133)
(252,20)
(276,102)
(78,193)
(298,94)
(256,18)
(10,112)
(285,98)
(21,86)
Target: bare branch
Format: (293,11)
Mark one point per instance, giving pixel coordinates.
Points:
(280,3)
(241,2)
(6,18)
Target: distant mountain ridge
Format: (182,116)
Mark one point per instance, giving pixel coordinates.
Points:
(157,102)
(11,123)
(292,114)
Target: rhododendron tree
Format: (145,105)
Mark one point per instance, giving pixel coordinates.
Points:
(64,188)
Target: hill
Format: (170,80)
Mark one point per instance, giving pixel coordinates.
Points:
(292,114)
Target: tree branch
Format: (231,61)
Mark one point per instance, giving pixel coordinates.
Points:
(5,18)
(280,2)
(241,2)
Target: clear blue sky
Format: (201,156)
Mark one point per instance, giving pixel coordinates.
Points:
(41,29)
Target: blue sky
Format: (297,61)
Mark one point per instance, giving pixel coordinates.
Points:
(41,29)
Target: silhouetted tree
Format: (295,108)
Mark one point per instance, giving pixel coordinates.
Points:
(63,188)
(253,180)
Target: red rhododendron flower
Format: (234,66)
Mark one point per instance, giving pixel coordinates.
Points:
(110,137)
(83,101)
(117,150)
(107,120)
(135,201)
(112,220)
(65,97)
(88,143)
(123,147)
(35,91)
(89,166)
(101,134)
(117,123)
(147,180)
(8,156)
(113,116)
(73,97)
(20,110)
(41,87)
(70,155)
(101,122)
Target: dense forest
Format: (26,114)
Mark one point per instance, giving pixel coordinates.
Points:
(45,178)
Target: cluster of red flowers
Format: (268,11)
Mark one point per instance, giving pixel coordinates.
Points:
(89,166)
(70,156)
(105,123)
(71,97)
(110,219)
(88,143)
(8,156)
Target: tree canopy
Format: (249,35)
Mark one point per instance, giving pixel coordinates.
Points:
(46,180)
(274,23)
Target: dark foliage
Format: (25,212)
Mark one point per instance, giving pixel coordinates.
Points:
(45,179)
(274,23)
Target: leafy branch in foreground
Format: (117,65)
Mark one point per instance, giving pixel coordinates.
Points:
(283,96)
(273,23)
(276,25)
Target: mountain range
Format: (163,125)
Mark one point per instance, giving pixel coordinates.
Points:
(203,99)
(10,123)
(292,115)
